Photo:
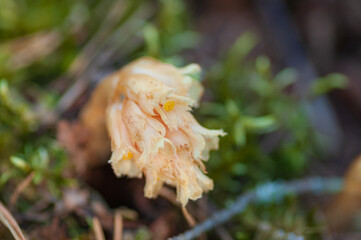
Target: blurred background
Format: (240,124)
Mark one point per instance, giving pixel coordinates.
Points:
(282,78)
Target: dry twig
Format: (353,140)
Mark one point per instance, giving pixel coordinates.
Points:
(268,192)
(9,221)
(172,198)
(168,194)
(30,48)
(118,225)
(98,230)
(20,188)
(189,218)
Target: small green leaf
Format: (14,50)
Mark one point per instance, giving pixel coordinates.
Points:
(261,85)
(260,124)
(285,78)
(239,169)
(151,37)
(89,221)
(40,160)
(4,88)
(239,133)
(5,177)
(142,234)
(212,109)
(263,64)
(232,108)
(325,84)
(181,41)
(241,236)
(38,177)
(241,48)
(19,163)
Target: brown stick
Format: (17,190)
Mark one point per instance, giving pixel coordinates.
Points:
(20,189)
(98,230)
(172,198)
(190,220)
(9,221)
(118,225)
(169,195)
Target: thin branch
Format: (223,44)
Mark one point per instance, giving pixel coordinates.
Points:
(269,192)
(20,188)
(189,218)
(9,221)
(98,230)
(118,225)
(169,195)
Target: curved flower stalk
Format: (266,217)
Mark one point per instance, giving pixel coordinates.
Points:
(153,132)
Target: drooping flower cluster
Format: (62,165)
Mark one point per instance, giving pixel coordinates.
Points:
(153,132)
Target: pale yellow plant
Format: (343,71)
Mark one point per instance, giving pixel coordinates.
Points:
(153,132)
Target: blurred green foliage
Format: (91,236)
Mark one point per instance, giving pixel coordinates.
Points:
(20,20)
(22,151)
(17,120)
(269,137)
(170,33)
(269,134)
(47,161)
(327,83)
(275,221)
